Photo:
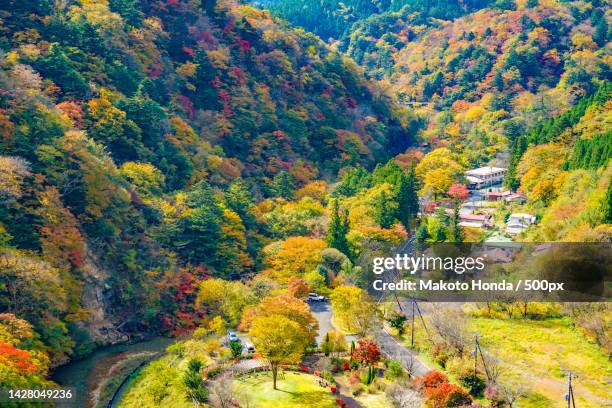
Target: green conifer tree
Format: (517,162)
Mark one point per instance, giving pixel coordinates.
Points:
(384,212)
(338,228)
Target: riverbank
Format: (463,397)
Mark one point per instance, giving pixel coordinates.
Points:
(96,377)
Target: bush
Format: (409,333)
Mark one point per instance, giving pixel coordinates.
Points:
(431,380)
(375,387)
(327,376)
(357,389)
(460,366)
(236,348)
(440,354)
(457,398)
(447,395)
(368,375)
(213,372)
(394,370)
(474,384)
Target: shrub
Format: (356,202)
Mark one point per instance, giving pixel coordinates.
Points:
(357,389)
(213,371)
(431,380)
(440,354)
(446,394)
(304,369)
(475,384)
(375,387)
(394,370)
(346,366)
(236,348)
(460,366)
(333,389)
(368,375)
(456,398)
(327,376)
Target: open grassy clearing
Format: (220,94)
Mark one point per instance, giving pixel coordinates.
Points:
(294,390)
(535,354)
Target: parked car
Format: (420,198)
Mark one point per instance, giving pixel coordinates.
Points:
(232,336)
(249,348)
(315,297)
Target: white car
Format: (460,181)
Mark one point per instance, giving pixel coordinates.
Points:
(315,297)
(249,348)
(232,336)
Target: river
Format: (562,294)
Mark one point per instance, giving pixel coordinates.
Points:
(96,377)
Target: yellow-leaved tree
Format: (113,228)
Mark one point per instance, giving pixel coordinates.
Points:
(355,309)
(279,341)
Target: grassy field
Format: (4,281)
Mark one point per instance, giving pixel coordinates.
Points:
(535,355)
(295,390)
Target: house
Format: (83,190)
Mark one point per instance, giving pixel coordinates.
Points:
(497,195)
(515,198)
(470,220)
(484,177)
(519,222)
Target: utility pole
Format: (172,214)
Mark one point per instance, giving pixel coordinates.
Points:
(475,354)
(412,332)
(570,390)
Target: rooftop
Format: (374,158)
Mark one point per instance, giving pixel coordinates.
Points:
(484,171)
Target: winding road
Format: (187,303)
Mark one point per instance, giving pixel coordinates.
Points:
(389,346)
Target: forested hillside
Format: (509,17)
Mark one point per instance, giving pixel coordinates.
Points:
(171,166)
(135,136)
(336,19)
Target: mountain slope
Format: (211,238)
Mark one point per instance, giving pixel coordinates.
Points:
(135,138)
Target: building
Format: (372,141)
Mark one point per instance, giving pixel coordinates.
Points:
(497,195)
(469,220)
(484,177)
(518,223)
(515,198)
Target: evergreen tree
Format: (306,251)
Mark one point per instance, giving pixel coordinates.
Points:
(407,198)
(607,210)
(337,230)
(456,232)
(239,200)
(498,81)
(206,95)
(422,234)
(59,68)
(128,10)
(438,227)
(283,186)
(601,31)
(385,216)
(198,234)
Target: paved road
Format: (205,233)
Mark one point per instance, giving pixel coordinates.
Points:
(390,347)
(322,311)
(395,350)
